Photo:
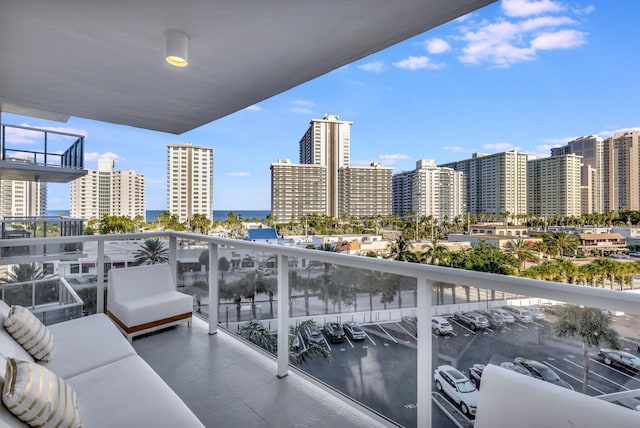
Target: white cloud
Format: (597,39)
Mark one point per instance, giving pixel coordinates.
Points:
(26,136)
(605,134)
(373,66)
(585,10)
(500,147)
(564,39)
(545,149)
(557,141)
(524,8)
(303,103)
(393,158)
(301,110)
(94,156)
(417,63)
(238,174)
(254,107)
(437,46)
(456,149)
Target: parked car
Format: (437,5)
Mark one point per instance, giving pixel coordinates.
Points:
(520,313)
(625,360)
(334,332)
(354,331)
(315,336)
(536,312)
(441,325)
(495,319)
(514,368)
(541,371)
(475,374)
(473,320)
(506,315)
(457,387)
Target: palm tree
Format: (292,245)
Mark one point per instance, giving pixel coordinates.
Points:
(521,249)
(151,252)
(592,325)
(437,253)
(565,241)
(400,251)
(24,272)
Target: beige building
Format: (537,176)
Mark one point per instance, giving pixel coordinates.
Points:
(22,198)
(553,186)
(496,183)
(189,181)
(621,188)
(108,192)
(324,182)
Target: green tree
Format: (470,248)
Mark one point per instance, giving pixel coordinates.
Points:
(223,266)
(400,251)
(565,242)
(521,249)
(592,326)
(151,252)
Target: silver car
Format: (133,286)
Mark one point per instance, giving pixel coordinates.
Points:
(506,315)
(441,326)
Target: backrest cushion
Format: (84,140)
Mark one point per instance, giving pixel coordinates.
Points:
(38,396)
(139,281)
(29,331)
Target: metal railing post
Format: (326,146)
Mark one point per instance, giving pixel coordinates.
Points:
(173,257)
(213,288)
(424,353)
(100,274)
(283,316)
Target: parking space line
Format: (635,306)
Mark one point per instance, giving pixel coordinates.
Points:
(405,330)
(521,324)
(369,337)
(349,341)
(573,377)
(538,324)
(387,333)
(326,342)
(614,369)
(597,374)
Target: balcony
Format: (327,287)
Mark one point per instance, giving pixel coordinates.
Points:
(32,154)
(386,379)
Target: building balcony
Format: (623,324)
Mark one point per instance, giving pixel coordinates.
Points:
(385,379)
(52,156)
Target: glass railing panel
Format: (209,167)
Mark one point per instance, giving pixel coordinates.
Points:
(192,276)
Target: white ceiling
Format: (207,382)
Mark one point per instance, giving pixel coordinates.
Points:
(104,59)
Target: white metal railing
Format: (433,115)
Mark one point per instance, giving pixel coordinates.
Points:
(425,275)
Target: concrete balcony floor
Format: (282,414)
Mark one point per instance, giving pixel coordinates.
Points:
(228,384)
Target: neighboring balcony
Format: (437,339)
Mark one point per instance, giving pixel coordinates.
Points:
(388,374)
(33,154)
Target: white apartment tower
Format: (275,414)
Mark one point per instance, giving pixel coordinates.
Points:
(22,198)
(189,181)
(494,184)
(324,182)
(554,186)
(591,149)
(108,192)
(429,191)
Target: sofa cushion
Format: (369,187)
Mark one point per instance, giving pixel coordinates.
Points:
(29,331)
(132,394)
(85,343)
(151,307)
(38,396)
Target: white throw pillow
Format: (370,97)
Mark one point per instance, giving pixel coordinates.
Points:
(29,332)
(38,396)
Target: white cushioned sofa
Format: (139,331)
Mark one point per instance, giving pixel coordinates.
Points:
(114,386)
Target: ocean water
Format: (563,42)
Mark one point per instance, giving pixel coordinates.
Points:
(217,214)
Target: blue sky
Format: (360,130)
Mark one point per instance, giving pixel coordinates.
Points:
(518,74)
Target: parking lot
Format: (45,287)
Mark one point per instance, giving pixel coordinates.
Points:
(380,371)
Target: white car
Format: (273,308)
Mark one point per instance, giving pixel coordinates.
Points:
(508,317)
(520,313)
(457,387)
(441,326)
(536,312)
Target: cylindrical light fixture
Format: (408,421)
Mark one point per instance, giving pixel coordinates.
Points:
(177,48)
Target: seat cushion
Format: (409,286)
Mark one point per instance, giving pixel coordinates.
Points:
(29,331)
(152,307)
(85,343)
(128,393)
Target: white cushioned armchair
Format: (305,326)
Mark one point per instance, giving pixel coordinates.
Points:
(142,299)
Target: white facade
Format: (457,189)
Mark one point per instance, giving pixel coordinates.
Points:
(297,190)
(22,198)
(189,181)
(365,190)
(108,192)
(554,186)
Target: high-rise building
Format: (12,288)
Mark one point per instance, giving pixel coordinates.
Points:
(22,198)
(346,190)
(494,184)
(429,191)
(108,192)
(591,149)
(553,186)
(621,171)
(189,181)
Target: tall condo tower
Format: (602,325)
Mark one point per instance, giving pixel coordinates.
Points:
(22,198)
(189,181)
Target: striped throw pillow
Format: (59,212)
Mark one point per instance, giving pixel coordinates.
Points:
(38,396)
(29,332)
